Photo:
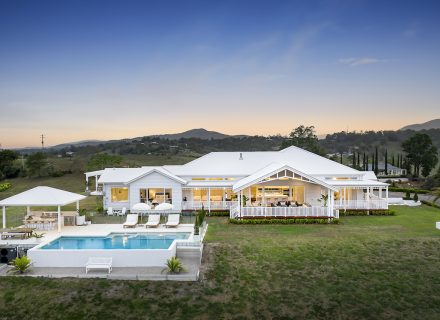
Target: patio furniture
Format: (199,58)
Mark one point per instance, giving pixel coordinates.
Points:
(173,220)
(132,220)
(153,221)
(110,211)
(21,233)
(81,221)
(122,212)
(99,263)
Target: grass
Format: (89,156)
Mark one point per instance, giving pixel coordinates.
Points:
(365,268)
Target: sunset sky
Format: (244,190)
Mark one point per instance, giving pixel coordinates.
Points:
(77,70)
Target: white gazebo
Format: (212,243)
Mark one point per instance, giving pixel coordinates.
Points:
(42,197)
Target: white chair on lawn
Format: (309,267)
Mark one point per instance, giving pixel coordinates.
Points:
(99,263)
(122,212)
(110,211)
(132,220)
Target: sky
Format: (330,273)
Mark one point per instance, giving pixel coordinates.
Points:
(77,70)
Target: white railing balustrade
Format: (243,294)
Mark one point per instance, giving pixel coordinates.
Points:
(213,205)
(362,204)
(287,212)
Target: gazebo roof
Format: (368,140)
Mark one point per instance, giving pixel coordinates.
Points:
(42,196)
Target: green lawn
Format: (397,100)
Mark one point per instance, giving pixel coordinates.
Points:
(364,268)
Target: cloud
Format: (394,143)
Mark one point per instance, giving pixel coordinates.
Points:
(354,62)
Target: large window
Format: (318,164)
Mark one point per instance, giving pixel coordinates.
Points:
(156,195)
(119,194)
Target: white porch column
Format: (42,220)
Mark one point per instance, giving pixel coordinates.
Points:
(386,195)
(87,183)
(380,192)
(250,194)
(59,218)
(96,183)
(239,203)
(264,197)
(209,199)
(77,206)
(328,202)
(4,217)
(224,198)
(345,198)
(368,198)
(332,201)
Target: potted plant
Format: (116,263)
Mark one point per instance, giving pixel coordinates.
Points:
(20,265)
(324,199)
(174,266)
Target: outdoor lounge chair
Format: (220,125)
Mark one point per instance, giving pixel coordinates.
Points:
(99,263)
(122,212)
(110,211)
(132,220)
(153,221)
(173,220)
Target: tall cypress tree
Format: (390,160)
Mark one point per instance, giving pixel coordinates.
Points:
(376,162)
(354,159)
(372,162)
(364,163)
(392,160)
(341,158)
(386,161)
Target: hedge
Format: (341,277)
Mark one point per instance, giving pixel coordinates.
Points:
(219,214)
(411,190)
(285,221)
(366,213)
(5,186)
(431,204)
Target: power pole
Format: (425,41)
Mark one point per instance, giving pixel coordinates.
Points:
(42,140)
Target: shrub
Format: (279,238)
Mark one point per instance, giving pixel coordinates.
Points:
(285,221)
(399,189)
(200,217)
(431,204)
(219,214)
(366,213)
(20,265)
(416,197)
(174,265)
(5,186)
(407,195)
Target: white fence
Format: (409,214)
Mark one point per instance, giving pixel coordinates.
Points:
(362,204)
(213,205)
(279,212)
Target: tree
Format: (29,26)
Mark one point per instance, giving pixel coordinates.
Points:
(103,160)
(386,161)
(7,168)
(376,162)
(364,163)
(303,137)
(420,153)
(354,160)
(35,163)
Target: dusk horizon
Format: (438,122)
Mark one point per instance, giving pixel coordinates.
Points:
(83,70)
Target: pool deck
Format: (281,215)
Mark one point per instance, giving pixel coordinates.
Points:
(149,273)
(92,230)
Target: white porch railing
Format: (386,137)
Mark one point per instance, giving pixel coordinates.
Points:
(213,205)
(362,204)
(272,212)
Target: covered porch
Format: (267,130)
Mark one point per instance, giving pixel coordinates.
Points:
(281,191)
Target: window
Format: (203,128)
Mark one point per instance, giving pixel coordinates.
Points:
(156,195)
(119,194)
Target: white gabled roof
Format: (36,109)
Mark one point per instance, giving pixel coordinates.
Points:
(356,183)
(128,175)
(42,196)
(271,169)
(229,164)
(369,175)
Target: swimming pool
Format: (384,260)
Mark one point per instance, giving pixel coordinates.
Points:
(116,241)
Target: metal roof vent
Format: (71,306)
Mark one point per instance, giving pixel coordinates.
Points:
(241,156)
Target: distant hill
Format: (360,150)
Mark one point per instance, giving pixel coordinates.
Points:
(433,124)
(194,133)
(82,143)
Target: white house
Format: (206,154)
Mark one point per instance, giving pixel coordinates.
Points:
(290,182)
(391,170)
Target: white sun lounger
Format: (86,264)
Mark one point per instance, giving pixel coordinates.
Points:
(153,221)
(132,220)
(99,263)
(173,220)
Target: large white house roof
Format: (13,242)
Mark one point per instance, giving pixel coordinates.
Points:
(42,196)
(128,175)
(246,163)
(269,170)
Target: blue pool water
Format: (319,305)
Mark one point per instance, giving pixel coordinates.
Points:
(117,241)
